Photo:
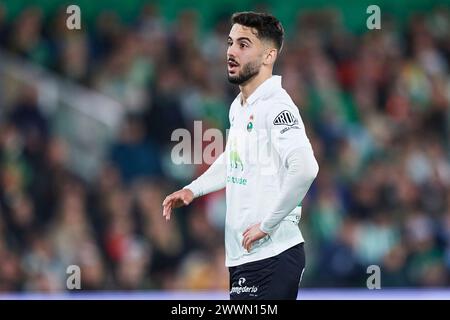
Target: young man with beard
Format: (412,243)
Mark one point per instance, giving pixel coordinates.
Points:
(264,245)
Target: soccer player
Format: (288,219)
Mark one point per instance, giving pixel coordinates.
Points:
(267,168)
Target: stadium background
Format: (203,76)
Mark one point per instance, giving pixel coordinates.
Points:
(86,119)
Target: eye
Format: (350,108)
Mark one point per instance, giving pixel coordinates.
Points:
(243,45)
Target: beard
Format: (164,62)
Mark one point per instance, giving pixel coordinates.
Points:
(249,71)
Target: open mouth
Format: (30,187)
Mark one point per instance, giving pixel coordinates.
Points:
(232,65)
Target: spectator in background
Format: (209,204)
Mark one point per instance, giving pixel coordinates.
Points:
(134,155)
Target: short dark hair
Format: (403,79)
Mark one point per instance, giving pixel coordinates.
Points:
(267,26)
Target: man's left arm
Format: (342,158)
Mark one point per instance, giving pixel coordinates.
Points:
(288,138)
(302,169)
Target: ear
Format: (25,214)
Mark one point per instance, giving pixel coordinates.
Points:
(270,56)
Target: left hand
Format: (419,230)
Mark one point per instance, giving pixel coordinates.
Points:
(252,234)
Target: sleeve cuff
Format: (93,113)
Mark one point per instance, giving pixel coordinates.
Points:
(197,193)
(264,228)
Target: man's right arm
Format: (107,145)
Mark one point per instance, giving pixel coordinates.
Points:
(211,180)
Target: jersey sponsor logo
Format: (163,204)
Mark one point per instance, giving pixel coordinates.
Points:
(237,180)
(243,289)
(235,159)
(288,128)
(286,118)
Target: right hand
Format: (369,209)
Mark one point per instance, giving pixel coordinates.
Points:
(177,199)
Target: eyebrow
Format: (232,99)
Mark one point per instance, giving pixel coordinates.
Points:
(241,38)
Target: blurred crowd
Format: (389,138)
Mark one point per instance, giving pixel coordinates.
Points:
(375,106)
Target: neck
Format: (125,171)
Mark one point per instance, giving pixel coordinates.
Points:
(250,86)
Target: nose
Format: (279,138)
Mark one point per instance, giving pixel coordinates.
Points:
(231,52)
